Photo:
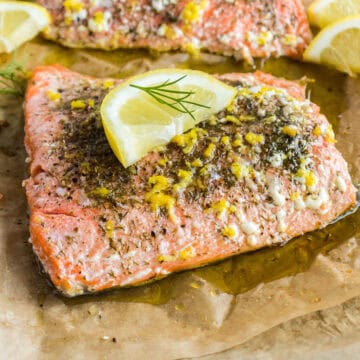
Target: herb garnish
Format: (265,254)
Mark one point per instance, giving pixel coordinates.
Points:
(169,97)
(12,79)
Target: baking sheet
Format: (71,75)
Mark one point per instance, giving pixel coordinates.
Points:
(37,324)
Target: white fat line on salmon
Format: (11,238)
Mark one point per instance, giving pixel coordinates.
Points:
(252,240)
(161,271)
(315,202)
(280,215)
(249,228)
(340,183)
(138,276)
(275,191)
(299,203)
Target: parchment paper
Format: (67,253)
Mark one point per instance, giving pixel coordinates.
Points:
(37,324)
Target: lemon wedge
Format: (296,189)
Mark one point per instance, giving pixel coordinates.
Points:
(148,110)
(338,45)
(19,22)
(324,12)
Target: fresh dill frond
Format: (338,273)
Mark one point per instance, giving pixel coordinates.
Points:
(175,99)
(12,79)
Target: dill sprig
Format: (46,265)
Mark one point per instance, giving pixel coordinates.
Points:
(176,99)
(13,79)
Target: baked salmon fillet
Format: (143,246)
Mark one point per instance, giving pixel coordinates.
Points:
(240,28)
(258,173)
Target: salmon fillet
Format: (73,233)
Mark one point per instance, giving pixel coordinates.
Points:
(257,174)
(240,28)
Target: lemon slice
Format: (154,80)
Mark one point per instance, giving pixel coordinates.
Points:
(324,12)
(338,45)
(19,22)
(141,113)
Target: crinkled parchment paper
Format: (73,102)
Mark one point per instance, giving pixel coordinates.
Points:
(196,321)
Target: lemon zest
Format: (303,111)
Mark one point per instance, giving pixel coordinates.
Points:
(53,96)
(187,253)
(101,192)
(329,135)
(185,177)
(197,163)
(166,258)
(163,161)
(220,207)
(289,130)
(233,119)
(73,5)
(317,131)
(229,232)
(192,49)
(225,140)
(188,140)
(77,104)
(107,84)
(240,171)
(294,196)
(253,138)
(192,12)
(209,151)
(157,198)
(308,176)
(98,17)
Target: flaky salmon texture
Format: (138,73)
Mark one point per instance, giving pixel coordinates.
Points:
(240,28)
(259,173)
